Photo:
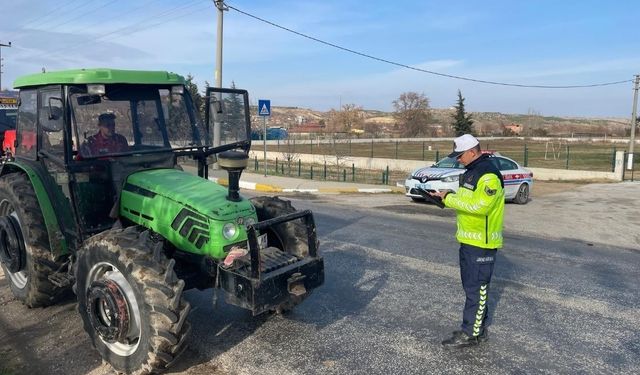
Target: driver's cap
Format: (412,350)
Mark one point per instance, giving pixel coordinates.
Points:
(463,143)
(106,116)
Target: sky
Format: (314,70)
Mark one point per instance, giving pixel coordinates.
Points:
(539,43)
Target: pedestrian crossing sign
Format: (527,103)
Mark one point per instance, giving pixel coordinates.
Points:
(264,107)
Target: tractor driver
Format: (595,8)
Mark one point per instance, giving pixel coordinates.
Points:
(106,140)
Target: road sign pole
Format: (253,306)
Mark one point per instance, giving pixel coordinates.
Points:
(264,137)
(2,45)
(264,110)
(634,121)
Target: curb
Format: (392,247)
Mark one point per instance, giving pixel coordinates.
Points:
(277,189)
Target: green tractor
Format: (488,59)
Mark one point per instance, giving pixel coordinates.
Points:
(94,199)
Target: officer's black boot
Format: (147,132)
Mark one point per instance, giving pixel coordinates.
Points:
(461,340)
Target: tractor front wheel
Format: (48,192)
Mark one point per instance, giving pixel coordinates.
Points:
(131,301)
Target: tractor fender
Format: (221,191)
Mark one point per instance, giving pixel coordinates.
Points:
(57,241)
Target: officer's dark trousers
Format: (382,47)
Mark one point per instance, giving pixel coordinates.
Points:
(476,268)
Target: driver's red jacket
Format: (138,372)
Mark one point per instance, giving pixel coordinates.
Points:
(100,145)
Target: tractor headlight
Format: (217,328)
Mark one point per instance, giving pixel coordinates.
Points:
(249,221)
(451,178)
(229,230)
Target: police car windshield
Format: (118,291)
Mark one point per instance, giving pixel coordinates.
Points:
(449,163)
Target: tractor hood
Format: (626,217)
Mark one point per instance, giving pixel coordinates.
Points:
(189,211)
(203,196)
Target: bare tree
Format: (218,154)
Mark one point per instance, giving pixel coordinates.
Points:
(349,117)
(412,114)
(534,121)
(289,153)
(375,129)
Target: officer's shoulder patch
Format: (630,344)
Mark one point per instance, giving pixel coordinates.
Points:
(490,191)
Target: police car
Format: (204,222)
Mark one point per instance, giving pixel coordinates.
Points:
(445,175)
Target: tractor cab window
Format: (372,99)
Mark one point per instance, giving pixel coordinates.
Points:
(130,119)
(180,130)
(27,118)
(227,115)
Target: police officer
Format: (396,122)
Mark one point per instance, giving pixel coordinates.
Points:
(479,205)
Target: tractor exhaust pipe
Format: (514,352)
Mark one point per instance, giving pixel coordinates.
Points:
(233,162)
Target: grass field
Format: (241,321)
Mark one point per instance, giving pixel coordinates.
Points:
(596,156)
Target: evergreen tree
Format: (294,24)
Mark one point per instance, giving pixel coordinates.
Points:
(178,123)
(235,127)
(198,101)
(462,122)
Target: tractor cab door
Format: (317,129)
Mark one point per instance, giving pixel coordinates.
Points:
(40,144)
(228,118)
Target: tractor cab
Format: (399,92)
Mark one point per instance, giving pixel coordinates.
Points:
(90,137)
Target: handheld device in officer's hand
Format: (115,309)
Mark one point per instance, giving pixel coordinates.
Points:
(435,200)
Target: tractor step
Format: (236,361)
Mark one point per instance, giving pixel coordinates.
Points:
(273,258)
(61,280)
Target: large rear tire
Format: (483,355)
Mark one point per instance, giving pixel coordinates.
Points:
(26,239)
(131,301)
(290,236)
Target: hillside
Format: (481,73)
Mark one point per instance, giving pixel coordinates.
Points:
(486,123)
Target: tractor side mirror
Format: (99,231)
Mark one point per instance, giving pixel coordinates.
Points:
(217,110)
(53,118)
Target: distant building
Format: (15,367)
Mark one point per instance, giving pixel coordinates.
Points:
(309,129)
(273,133)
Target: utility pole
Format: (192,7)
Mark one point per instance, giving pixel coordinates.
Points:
(2,45)
(218,73)
(634,120)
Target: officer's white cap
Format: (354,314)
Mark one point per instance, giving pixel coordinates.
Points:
(463,143)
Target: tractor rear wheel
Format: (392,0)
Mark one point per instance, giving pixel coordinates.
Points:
(131,301)
(24,243)
(290,236)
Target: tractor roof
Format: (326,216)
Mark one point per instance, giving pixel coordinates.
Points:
(99,75)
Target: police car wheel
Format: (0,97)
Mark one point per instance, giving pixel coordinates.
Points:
(522,196)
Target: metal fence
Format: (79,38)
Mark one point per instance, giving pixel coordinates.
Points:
(559,154)
(328,172)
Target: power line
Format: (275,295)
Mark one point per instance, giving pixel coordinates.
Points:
(40,17)
(42,24)
(424,70)
(132,28)
(48,14)
(81,15)
(127,11)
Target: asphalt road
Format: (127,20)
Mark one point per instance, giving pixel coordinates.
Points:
(392,293)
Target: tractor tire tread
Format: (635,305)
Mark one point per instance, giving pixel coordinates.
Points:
(135,250)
